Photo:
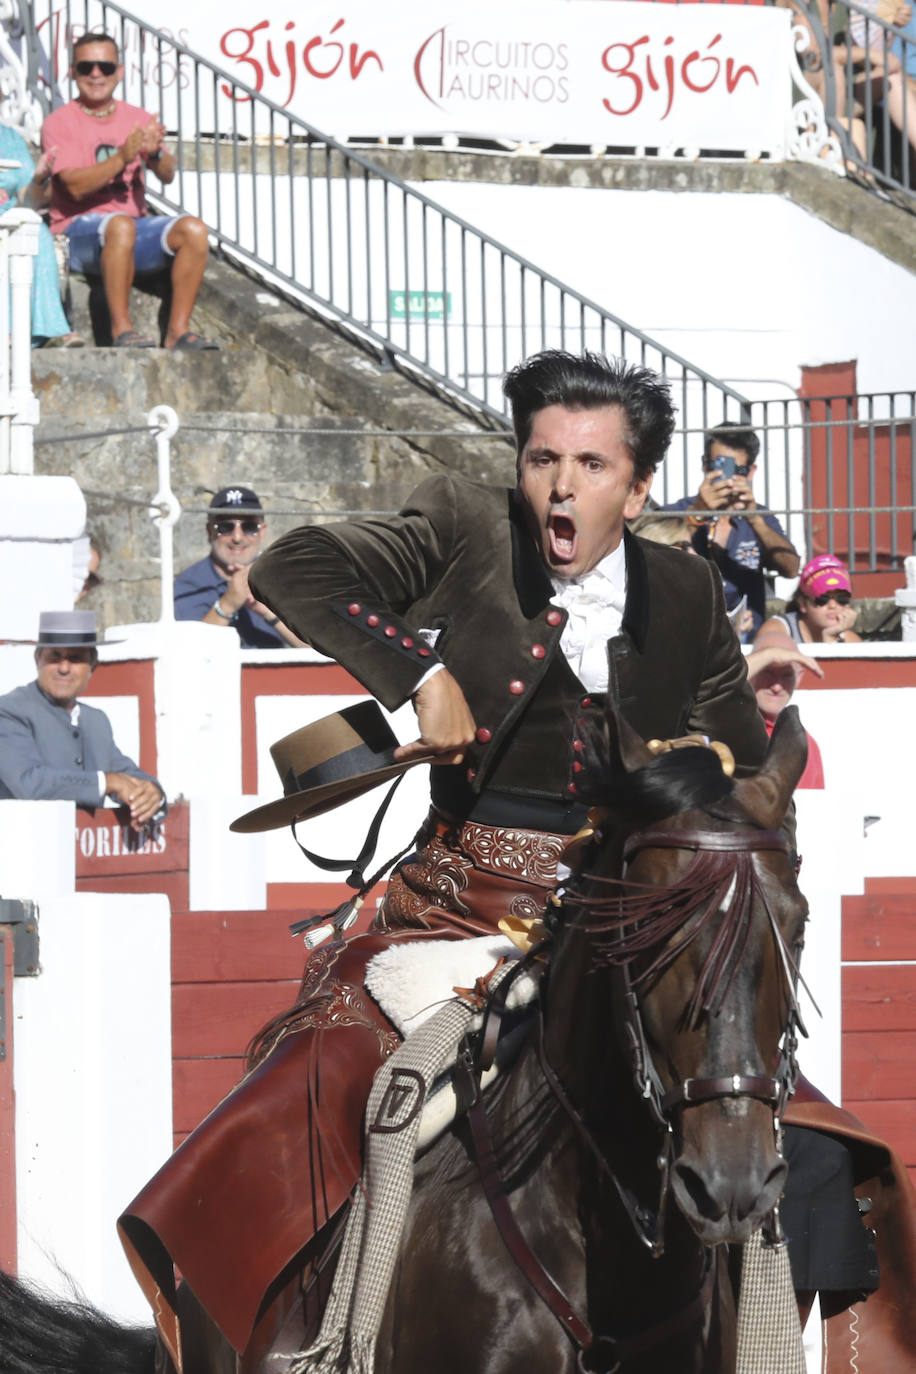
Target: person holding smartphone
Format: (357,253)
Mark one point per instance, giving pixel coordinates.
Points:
(731,529)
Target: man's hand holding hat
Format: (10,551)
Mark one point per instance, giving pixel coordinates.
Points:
(446,724)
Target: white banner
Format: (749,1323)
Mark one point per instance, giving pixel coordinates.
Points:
(608,74)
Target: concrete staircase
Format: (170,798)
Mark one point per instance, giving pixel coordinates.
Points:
(249,414)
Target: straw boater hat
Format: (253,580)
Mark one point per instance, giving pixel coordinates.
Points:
(329,762)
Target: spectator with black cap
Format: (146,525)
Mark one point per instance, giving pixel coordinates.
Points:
(216,590)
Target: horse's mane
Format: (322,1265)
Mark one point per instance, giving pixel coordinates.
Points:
(686,779)
(41,1332)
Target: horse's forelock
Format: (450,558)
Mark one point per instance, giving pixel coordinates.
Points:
(682,780)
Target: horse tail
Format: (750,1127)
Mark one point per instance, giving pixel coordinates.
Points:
(42,1334)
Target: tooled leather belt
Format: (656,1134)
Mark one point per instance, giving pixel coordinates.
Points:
(467,877)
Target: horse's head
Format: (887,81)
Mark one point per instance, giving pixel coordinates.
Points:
(701,930)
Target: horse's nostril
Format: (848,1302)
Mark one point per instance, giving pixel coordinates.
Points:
(776,1181)
(705,1204)
(713,1196)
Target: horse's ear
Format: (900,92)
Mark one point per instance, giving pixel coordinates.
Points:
(766,796)
(626,749)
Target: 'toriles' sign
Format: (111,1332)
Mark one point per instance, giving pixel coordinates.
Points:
(106,845)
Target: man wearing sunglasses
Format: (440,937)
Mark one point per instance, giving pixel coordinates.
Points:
(216,590)
(100,149)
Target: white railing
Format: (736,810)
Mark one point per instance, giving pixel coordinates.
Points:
(18,403)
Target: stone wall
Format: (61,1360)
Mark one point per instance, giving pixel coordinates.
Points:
(288,406)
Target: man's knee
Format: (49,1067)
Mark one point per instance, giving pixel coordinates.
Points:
(189,232)
(120,234)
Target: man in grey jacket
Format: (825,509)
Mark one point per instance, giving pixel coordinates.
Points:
(56,748)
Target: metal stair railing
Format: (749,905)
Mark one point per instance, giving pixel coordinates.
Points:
(340,233)
(861,65)
(876,100)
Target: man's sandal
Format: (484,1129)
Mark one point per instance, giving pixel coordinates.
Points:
(132,339)
(190,342)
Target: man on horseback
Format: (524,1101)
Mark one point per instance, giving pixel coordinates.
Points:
(509,618)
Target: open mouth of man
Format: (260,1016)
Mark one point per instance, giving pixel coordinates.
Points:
(561,532)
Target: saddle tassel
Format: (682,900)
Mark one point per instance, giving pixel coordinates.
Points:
(319,928)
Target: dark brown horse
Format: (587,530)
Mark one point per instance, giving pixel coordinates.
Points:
(665,1000)
(634,1133)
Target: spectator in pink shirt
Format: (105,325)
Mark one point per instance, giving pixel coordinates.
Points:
(101,148)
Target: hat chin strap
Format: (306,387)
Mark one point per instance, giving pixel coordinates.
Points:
(318,928)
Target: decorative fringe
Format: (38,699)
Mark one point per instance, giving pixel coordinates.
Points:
(324,1357)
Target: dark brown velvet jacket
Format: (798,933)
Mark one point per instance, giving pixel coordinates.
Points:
(459,559)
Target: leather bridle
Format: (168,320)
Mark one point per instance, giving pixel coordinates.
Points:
(691,1092)
(602,1352)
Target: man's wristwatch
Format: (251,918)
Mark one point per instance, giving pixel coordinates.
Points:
(220,612)
(154,157)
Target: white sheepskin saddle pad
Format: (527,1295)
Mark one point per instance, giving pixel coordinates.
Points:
(411,979)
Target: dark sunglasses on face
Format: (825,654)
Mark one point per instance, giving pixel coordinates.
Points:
(841,598)
(87,68)
(249,526)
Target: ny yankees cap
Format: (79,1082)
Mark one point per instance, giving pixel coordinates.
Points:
(231,500)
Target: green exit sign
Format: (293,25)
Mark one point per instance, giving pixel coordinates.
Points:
(420,305)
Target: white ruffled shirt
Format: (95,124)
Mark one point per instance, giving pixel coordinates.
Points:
(595,604)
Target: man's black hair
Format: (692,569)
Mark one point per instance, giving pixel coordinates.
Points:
(86,38)
(589,381)
(734,436)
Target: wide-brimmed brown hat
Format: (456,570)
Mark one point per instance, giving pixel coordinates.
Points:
(327,763)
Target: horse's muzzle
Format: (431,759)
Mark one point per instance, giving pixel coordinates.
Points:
(728,1174)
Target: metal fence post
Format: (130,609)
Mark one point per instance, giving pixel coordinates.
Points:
(164,421)
(18,403)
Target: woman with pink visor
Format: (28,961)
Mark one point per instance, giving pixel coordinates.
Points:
(820,611)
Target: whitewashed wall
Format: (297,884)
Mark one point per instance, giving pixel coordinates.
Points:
(748,287)
(92,1062)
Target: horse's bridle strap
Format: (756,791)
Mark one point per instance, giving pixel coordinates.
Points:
(694,1090)
(722,841)
(616,1350)
(508,1228)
